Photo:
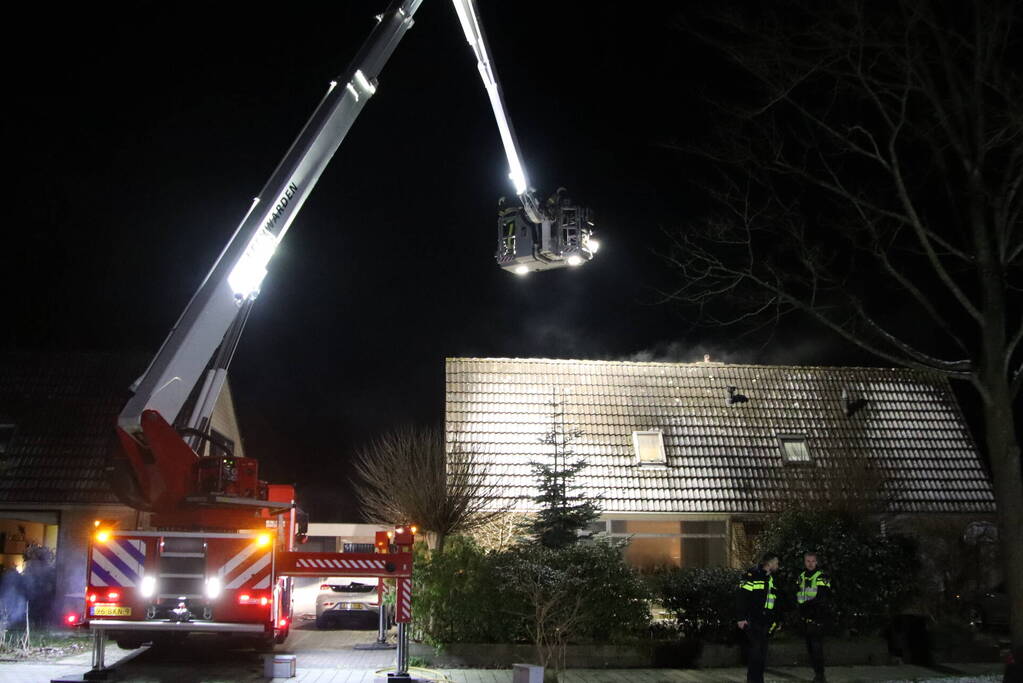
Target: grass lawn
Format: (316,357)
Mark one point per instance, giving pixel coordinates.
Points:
(42,645)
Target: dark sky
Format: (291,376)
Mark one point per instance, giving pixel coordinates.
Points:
(138,135)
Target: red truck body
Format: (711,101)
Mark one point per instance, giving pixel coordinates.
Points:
(206,563)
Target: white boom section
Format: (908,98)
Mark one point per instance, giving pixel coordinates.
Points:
(239,270)
(469,17)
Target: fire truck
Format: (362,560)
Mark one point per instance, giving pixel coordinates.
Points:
(219,547)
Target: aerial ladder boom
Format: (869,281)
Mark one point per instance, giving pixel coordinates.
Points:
(152,468)
(162,391)
(535,237)
(468,16)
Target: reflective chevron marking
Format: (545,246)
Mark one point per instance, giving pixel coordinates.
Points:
(404,601)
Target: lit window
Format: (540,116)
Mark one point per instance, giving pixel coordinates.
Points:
(794,449)
(649,447)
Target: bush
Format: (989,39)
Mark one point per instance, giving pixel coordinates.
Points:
(456,596)
(468,595)
(873,576)
(609,598)
(702,600)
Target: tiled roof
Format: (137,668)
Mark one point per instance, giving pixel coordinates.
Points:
(721,457)
(64,407)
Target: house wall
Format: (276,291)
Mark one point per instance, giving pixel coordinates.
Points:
(76,528)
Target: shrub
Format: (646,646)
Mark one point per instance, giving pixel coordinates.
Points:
(587,591)
(873,575)
(457,596)
(702,600)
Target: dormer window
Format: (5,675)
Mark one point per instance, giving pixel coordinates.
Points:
(649,447)
(794,450)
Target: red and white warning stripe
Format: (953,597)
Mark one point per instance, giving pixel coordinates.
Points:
(330,563)
(404,601)
(249,568)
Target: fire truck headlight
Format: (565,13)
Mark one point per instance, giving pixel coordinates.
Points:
(148,587)
(594,245)
(212,587)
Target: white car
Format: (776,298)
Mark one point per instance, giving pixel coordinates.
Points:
(343,597)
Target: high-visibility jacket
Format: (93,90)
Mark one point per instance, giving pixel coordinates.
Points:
(813,593)
(756,597)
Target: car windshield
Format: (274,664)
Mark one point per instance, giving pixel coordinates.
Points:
(352,588)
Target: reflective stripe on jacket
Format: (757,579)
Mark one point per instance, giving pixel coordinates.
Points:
(756,596)
(809,585)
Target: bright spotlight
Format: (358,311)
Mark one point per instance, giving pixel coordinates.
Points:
(575,260)
(212,587)
(148,587)
(522,270)
(594,246)
(263,539)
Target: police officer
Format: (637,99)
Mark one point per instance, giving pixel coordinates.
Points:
(814,597)
(755,613)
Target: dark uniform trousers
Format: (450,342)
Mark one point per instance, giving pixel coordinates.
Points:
(815,646)
(756,651)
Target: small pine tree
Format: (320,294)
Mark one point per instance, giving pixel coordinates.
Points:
(563,515)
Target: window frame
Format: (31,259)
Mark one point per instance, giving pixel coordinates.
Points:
(636,433)
(794,438)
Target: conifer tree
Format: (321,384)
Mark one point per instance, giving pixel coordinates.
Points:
(563,514)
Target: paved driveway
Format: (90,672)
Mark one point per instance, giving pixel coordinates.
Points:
(329,657)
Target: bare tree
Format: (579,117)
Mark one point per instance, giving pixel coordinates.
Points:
(872,180)
(502,531)
(409,476)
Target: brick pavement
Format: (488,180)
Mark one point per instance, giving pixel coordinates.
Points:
(330,657)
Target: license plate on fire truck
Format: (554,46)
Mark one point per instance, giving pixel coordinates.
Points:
(109,611)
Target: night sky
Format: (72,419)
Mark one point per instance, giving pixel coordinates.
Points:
(137,136)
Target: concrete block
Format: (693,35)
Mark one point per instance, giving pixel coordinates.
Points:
(527,673)
(279,666)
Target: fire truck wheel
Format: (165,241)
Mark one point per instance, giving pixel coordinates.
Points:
(281,637)
(127,644)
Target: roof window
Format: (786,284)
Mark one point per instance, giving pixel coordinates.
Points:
(794,450)
(649,447)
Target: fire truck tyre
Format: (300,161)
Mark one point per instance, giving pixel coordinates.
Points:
(281,637)
(128,643)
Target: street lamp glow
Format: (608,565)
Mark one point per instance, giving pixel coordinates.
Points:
(522,270)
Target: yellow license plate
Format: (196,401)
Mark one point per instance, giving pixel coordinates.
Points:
(110,611)
(355,605)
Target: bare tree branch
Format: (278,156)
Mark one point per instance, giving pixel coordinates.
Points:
(409,476)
